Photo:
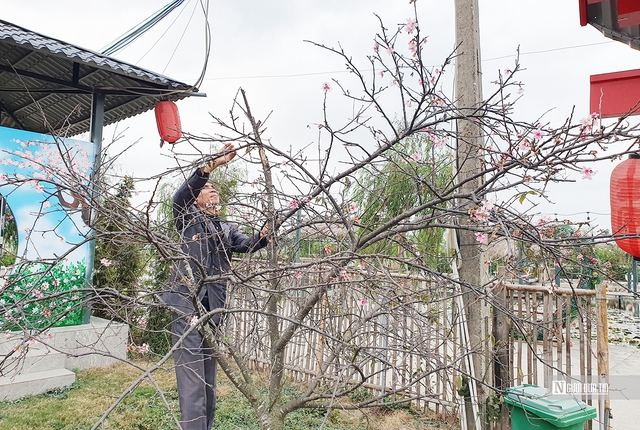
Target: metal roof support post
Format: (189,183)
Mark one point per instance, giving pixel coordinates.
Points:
(95,133)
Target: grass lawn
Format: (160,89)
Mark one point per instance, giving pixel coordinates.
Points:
(95,390)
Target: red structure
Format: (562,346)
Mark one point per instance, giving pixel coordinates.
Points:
(615,94)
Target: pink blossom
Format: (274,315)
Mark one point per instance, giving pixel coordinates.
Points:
(298,274)
(587,173)
(105,262)
(362,302)
(353,207)
(413,47)
(440,142)
(195,237)
(27,230)
(416,156)
(56,281)
(344,275)
(537,135)
(293,204)
(586,123)
(144,349)
(193,321)
(376,48)
(411,25)
(481,237)
(594,115)
(326,87)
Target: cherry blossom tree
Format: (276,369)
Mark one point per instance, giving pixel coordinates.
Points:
(369,308)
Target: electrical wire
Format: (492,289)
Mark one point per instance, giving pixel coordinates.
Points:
(207,43)
(207,40)
(297,75)
(186,27)
(139,30)
(162,36)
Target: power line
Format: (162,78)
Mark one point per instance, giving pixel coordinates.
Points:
(162,36)
(298,75)
(544,51)
(140,29)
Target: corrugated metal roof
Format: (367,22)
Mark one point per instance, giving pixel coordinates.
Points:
(46,85)
(617,20)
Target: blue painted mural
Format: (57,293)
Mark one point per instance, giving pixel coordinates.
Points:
(43,179)
(38,176)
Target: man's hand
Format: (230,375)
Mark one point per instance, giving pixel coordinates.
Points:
(222,157)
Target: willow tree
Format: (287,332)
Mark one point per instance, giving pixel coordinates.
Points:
(414,173)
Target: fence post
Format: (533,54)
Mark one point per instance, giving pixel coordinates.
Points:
(502,370)
(603,352)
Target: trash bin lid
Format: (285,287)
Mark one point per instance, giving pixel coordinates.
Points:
(561,411)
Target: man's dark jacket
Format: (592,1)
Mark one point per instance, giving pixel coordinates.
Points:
(209,250)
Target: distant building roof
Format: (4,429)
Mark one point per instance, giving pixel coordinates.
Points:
(46,85)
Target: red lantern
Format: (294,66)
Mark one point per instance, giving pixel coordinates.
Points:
(625,204)
(168,122)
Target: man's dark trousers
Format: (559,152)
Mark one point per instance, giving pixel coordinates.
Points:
(193,360)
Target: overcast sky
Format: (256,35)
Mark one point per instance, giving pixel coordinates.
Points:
(259,45)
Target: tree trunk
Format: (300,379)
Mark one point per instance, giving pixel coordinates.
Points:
(271,421)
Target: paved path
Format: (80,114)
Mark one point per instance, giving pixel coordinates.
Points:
(624,368)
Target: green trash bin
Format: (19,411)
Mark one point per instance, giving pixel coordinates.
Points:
(533,408)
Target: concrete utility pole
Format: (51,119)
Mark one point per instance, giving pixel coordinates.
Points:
(468,96)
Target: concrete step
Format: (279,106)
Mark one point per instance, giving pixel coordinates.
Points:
(99,343)
(30,384)
(31,361)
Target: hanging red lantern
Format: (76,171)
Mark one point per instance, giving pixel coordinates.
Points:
(625,204)
(168,122)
